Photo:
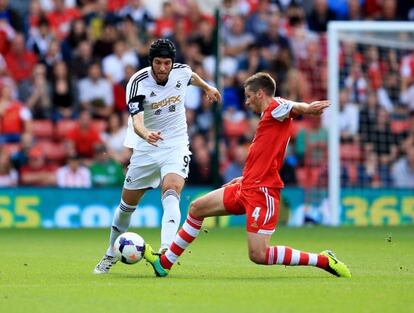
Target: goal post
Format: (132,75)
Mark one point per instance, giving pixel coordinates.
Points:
(365,34)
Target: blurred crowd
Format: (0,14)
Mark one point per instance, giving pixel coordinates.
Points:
(64,65)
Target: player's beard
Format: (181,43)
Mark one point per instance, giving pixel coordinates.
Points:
(161,78)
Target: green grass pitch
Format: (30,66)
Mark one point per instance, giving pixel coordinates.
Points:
(51,271)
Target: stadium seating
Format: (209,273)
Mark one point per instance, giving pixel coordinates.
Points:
(63,127)
(54,151)
(42,129)
(350,152)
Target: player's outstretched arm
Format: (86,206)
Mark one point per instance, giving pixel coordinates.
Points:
(212,93)
(148,135)
(315,108)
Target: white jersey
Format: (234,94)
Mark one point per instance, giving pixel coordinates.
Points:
(163,107)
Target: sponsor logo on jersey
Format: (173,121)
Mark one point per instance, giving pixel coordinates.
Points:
(166,102)
(153,94)
(178,85)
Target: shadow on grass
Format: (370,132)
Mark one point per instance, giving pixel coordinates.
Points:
(218,277)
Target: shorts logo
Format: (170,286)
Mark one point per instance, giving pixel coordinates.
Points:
(254,225)
(178,85)
(128,179)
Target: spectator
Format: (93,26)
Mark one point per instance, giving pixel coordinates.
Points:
(371,173)
(120,88)
(11,16)
(383,142)
(356,83)
(314,65)
(114,64)
(165,23)
(236,39)
(252,63)
(235,168)
(20,62)
(8,175)
(36,93)
(258,22)
(63,92)
(204,37)
(105,44)
(21,157)
(139,13)
(77,34)
(96,93)
(61,17)
(204,119)
(73,174)
(98,16)
(290,88)
(389,11)
(348,118)
(408,140)
(320,16)
(82,59)
(83,137)
(389,93)
(200,168)
(52,57)
(15,119)
(311,144)
(105,172)
(114,140)
(33,17)
(367,116)
(402,171)
(40,38)
(37,172)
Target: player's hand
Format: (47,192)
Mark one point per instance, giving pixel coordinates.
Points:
(234,181)
(317,107)
(152,137)
(213,95)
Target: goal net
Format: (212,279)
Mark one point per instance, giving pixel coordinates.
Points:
(370,122)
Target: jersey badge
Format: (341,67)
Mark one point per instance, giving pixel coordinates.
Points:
(178,85)
(153,94)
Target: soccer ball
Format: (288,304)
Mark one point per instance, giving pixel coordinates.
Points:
(129,248)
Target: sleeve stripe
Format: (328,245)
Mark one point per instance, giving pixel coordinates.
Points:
(134,85)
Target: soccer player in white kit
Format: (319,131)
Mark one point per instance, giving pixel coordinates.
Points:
(157,133)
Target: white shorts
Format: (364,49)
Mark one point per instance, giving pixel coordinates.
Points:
(147,170)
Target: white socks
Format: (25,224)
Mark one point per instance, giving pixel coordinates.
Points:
(120,223)
(171,217)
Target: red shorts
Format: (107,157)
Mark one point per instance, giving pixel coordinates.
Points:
(261,206)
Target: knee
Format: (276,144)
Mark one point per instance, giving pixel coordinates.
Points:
(174,187)
(195,209)
(257,256)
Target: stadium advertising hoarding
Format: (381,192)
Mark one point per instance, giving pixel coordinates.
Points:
(75,208)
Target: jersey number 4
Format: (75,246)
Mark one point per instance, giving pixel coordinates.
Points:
(256,213)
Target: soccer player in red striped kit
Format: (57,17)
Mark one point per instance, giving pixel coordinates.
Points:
(257,192)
